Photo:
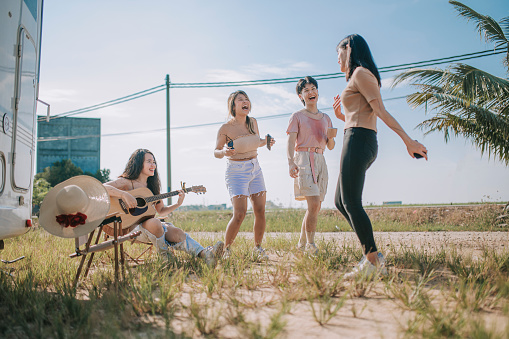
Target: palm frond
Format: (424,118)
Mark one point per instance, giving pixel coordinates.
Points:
(488,141)
(478,84)
(486,129)
(467,101)
(450,104)
(443,102)
(504,23)
(488,28)
(422,75)
(460,80)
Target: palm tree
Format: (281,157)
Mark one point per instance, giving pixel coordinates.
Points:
(467,101)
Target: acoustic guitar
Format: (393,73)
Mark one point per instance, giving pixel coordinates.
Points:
(145,201)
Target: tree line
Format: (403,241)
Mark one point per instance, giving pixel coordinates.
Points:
(57,173)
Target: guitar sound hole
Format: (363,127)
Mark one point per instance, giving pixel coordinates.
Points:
(140,202)
(140,208)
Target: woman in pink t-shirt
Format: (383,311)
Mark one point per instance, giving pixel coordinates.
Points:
(309,131)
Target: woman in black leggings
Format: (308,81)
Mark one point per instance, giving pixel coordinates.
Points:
(362,105)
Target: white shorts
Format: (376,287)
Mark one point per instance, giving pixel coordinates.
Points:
(304,186)
(244,178)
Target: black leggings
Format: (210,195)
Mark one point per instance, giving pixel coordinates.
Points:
(359,152)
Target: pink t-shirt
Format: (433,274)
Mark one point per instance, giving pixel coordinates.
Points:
(310,132)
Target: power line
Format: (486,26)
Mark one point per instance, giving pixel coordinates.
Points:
(267,117)
(386,69)
(340,75)
(109,103)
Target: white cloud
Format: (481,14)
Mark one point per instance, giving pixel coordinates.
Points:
(215,104)
(259,71)
(278,91)
(227,75)
(58,95)
(387,83)
(282,71)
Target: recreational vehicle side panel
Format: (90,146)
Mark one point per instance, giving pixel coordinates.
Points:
(20,32)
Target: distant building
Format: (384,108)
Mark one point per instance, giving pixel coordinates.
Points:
(83,152)
(392,202)
(220,207)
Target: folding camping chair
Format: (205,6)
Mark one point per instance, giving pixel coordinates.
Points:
(109,232)
(117,243)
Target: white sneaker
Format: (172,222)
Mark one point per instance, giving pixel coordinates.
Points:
(227,254)
(311,249)
(381,264)
(213,253)
(367,269)
(259,254)
(301,248)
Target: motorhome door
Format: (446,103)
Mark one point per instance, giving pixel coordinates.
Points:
(24,113)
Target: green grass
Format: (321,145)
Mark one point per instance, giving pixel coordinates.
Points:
(481,218)
(439,293)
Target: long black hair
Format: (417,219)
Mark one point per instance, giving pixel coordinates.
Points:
(360,55)
(134,167)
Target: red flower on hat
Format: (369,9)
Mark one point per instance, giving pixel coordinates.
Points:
(72,220)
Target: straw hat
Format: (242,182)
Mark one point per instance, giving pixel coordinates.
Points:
(74,207)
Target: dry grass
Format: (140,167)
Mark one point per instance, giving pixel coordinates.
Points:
(387,219)
(445,292)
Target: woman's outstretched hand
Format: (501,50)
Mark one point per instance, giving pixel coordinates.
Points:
(417,150)
(337,108)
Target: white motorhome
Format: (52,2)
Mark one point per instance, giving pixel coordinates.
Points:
(20,45)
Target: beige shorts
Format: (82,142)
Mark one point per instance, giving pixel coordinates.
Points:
(304,185)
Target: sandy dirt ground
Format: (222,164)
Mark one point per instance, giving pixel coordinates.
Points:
(374,315)
(468,242)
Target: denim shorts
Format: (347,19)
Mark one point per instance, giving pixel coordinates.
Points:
(244,178)
(143,236)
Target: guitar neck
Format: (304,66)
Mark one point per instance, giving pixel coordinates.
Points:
(165,195)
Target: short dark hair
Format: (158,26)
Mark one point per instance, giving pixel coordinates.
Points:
(302,83)
(360,55)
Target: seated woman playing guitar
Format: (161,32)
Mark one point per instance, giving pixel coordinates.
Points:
(141,171)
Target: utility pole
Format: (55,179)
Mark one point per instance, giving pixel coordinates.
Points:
(168,138)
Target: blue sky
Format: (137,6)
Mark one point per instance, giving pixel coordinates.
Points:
(95,51)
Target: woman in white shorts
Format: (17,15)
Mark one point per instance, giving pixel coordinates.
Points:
(238,140)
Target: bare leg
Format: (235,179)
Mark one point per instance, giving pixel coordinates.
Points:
(372,257)
(258,201)
(175,234)
(154,226)
(302,238)
(239,213)
(311,217)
